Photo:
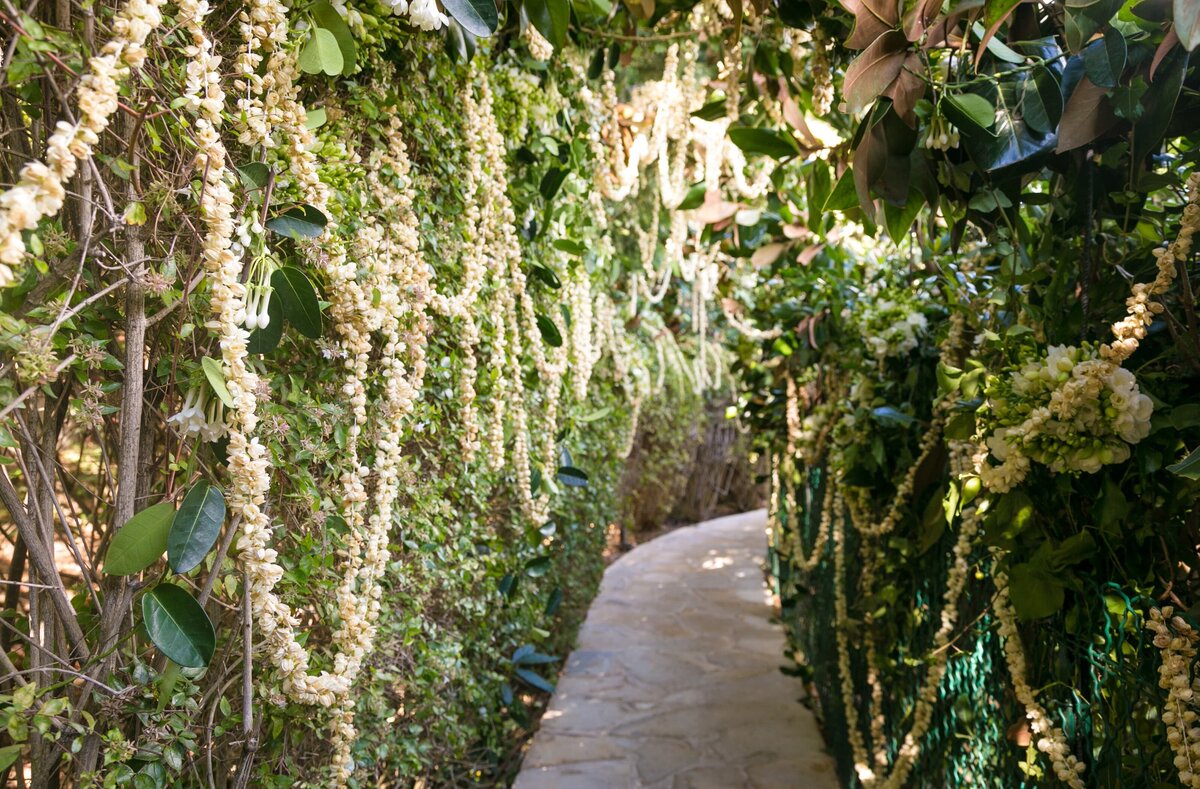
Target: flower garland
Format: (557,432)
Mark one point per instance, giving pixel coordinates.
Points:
(1051,739)
(1177,640)
(40,190)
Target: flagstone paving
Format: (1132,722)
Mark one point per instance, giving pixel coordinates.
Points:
(675,680)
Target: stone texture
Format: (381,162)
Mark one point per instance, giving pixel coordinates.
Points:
(675,682)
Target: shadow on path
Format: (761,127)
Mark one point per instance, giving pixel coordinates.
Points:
(675,681)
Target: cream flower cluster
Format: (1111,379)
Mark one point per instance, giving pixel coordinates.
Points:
(890,321)
(40,189)
(1078,409)
(1071,411)
(423,14)
(1050,738)
(1177,639)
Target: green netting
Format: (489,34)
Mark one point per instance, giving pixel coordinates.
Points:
(1093,667)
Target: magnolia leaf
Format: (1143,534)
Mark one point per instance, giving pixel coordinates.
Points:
(321,54)
(551,182)
(1189,467)
(713,110)
(141,541)
(872,19)
(196,527)
(768,142)
(533,680)
(1087,115)
(255,175)
(265,339)
(1104,59)
(299,300)
(477,17)
(573,477)
(216,379)
(1041,101)
(299,222)
(178,626)
(995,12)
(874,70)
(550,333)
(550,17)
(976,107)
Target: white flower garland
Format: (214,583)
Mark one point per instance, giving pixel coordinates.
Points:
(1177,641)
(40,190)
(1051,739)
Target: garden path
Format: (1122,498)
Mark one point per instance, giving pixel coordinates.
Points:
(675,681)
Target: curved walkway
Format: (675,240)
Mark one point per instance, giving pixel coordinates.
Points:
(675,681)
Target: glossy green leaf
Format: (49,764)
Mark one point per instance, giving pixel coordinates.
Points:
(767,142)
(196,527)
(477,17)
(550,333)
(178,626)
(550,17)
(254,175)
(551,182)
(976,107)
(569,475)
(299,222)
(299,300)
(141,541)
(266,339)
(321,54)
(1189,467)
(713,110)
(216,379)
(1041,101)
(533,680)
(1104,59)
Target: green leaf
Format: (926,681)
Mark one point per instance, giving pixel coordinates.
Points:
(1041,101)
(694,197)
(1035,592)
(315,118)
(569,475)
(546,276)
(1189,467)
(328,17)
(299,222)
(888,416)
(1104,60)
(178,626)
(533,680)
(301,306)
(596,67)
(768,142)
(9,755)
(551,182)
(477,17)
(550,17)
(321,54)
(196,527)
(899,218)
(570,247)
(537,567)
(265,340)
(976,107)
(713,110)
(216,379)
(141,541)
(554,601)
(550,333)
(254,175)
(844,196)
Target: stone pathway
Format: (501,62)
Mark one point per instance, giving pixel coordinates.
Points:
(675,681)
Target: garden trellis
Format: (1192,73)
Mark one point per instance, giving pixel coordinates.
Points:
(327,328)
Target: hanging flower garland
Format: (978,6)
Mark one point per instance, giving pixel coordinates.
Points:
(40,189)
(1176,639)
